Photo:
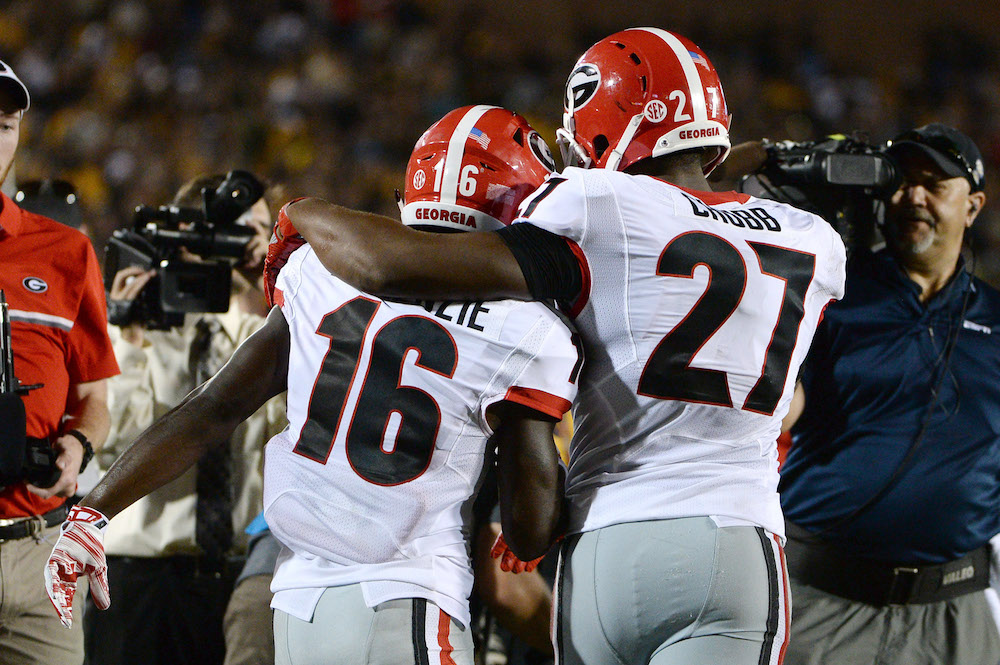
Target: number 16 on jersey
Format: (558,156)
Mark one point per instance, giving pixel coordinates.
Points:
(383,403)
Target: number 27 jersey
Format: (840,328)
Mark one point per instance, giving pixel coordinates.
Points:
(387,432)
(696,312)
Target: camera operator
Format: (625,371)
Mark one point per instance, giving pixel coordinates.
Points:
(59,341)
(173,555)
(890,485)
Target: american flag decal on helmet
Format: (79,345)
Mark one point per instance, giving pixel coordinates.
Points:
(698,58)
(480,138)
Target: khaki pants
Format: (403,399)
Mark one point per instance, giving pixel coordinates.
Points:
(248,624)
(830,629)
(30,632)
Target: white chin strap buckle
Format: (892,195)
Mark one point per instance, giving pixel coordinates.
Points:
(572,152)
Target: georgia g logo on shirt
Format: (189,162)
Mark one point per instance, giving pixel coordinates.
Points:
(35,284)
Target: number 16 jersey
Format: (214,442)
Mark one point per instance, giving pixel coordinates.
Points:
(696,312)
(372,480)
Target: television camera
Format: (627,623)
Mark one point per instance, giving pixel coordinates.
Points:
(193,251)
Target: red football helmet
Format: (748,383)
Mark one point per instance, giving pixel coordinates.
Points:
(472,169)
(642,92)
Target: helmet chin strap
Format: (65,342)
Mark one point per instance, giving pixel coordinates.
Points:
(623,143)
(571,151)
(573,154)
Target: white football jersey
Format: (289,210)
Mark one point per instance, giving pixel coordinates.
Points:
(372,481)
(698,309)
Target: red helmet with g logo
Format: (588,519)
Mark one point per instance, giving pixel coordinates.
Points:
(472,168)
(643,92)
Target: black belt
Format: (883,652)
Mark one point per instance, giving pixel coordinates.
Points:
(186,565)
(818,564)
(32,526)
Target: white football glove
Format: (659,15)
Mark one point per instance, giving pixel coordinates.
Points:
(79,551)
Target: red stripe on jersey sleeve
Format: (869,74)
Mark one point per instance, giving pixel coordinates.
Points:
(584,297)
(539,400)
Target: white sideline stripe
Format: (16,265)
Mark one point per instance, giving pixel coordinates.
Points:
(43,319)
(695,87)
(456,152)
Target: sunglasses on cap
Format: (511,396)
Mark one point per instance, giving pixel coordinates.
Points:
(947,148)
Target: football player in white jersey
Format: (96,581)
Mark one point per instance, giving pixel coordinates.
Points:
(696,310)
(391,405)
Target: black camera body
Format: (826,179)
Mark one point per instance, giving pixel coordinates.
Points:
(22,458)
(155,241)
(844,179)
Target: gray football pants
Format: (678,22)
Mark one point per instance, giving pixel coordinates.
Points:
(671,592)
(345,631)
(830,629)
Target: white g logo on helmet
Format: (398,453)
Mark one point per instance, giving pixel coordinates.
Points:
(581,86)
(540,149)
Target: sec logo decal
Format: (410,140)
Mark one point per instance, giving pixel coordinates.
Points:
(655,110)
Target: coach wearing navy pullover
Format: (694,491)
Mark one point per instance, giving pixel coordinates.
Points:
(892,483)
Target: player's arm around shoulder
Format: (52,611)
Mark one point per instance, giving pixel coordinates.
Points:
(381,256)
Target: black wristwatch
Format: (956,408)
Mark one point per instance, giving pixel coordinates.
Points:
(88,450)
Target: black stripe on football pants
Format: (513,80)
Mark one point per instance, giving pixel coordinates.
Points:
(560,585)
(420,632)
(773,593)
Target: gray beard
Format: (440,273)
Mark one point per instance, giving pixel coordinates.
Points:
(918,247)
(908,247)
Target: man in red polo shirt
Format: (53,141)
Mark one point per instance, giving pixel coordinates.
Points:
(52,282)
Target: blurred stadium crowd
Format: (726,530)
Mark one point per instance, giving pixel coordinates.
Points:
(131,98)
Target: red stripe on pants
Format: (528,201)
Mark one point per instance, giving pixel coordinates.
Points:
(444,630)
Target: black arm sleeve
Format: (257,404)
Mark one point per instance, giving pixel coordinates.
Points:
(550,267)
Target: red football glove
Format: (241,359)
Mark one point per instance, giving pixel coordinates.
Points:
(284,240)
(509,561)
(79,551)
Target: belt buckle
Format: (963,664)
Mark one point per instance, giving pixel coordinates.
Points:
(33,526)
(36,525)
(901,588)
